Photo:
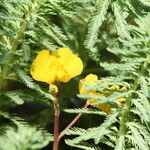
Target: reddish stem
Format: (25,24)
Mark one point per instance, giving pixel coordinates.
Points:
(56,125)
(73,121)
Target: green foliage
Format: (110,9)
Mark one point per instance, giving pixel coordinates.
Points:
(96,21)
(112,37)
(23,136)
(14,97)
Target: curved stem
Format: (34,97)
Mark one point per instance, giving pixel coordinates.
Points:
(125,113)
(73,122)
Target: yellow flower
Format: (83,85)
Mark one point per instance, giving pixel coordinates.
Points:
(88,79)
(91,78)
(58,66)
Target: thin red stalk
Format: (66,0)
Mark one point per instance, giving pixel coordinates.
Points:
(73,121)
(56,125)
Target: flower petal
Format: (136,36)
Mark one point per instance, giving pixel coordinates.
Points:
(62,75)
(75,66)
(71,65)
(104,107)
(88,79)
(44,67)
(64,52)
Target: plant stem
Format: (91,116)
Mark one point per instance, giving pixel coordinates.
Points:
(125,113)
(73,122)
(6,65)
(56,125)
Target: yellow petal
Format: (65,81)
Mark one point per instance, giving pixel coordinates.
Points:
(64,52)
(121,100)
(107,92)
(104,107)
(44,67)
(88,79)
(115,87)
(91,101)
(62,75)
(124,88)
(64,55)
(74,67)
(71,65)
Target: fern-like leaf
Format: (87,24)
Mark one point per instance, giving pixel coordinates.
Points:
(95,23)
(14,97)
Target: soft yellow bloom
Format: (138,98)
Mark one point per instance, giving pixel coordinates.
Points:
(90,79)
(58,66)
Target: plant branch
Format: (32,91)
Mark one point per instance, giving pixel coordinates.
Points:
(56,125)
(73,122)
(125,113)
